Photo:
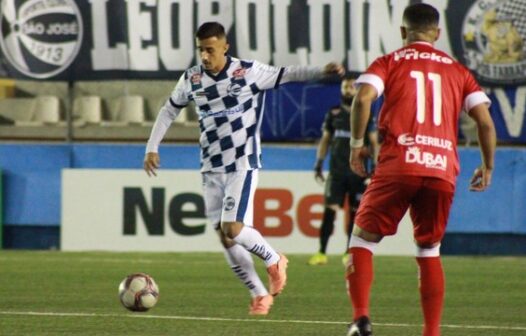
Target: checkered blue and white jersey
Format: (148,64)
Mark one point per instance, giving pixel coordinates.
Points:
(230,108)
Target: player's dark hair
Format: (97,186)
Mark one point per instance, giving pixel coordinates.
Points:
(421,16)
(210,29)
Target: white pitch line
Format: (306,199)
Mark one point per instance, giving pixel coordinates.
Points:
(111,260)
(223,319)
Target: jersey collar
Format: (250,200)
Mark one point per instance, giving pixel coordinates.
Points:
(221,74)
(423,43)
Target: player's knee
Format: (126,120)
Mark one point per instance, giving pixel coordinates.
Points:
(356,241)
(227,242)
(427,250)
(231,229)
(366,235)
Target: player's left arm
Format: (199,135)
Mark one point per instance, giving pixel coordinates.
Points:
(334,69)
(297,73)
(477,103)
(487,141)
(360,113)
(271,77)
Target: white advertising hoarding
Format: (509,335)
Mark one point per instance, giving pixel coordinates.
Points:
(125,210)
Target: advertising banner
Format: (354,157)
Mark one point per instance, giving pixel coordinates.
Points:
(98,39)
(124,210)
(76,40)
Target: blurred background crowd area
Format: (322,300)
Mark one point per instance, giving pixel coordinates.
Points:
(87,110)
(125,110)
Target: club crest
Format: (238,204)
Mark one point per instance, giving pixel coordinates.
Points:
(40,38)
(229,203)
(494,41)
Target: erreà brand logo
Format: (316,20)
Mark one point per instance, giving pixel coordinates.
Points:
(40,38)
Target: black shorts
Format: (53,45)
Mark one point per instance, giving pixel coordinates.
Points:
(337,187)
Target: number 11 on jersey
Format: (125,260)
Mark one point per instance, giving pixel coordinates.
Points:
(436,82)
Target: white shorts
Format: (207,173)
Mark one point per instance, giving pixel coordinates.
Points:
(229,197)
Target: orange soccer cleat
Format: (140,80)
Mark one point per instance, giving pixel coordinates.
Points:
(260,305)
(277,274)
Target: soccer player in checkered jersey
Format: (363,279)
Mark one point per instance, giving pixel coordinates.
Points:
(425,91)
(229,95)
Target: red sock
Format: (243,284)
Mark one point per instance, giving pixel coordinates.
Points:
(359,277)
(431,293)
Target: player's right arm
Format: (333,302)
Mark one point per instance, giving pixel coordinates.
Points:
(372,136)
(487,142)
(169,111)
(477,103)
(152,162)
(360,113)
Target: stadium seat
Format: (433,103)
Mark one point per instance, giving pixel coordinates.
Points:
(45,110)
(184,117)
(192,118)
(156,104)
(87,110)
(17,109)
(129,111)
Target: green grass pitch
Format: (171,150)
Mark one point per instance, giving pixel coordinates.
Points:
(59,293)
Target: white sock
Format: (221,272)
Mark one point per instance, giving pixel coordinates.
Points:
(241,263)
(254,242)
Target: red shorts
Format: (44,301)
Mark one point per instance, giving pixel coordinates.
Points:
(387,199)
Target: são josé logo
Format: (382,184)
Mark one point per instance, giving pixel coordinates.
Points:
(40,38)
(494,40)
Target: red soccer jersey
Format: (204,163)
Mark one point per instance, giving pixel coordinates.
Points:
(425,91)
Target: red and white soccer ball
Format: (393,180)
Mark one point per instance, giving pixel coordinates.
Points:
(138,292)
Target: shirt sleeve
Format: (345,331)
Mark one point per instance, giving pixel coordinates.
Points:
(375,75)
(473,94)
(167,114)
(178,97)
(297,73)
(266,76)
(270,77)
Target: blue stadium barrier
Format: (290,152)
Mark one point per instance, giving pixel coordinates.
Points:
(31,179)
